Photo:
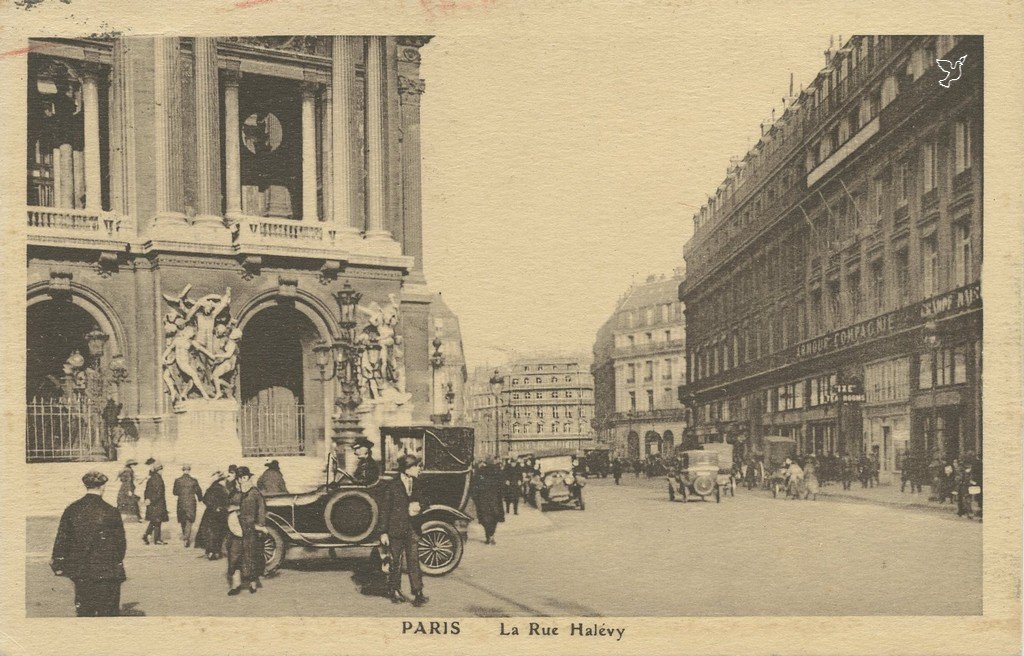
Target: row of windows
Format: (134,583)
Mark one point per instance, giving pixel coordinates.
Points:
(538,380)
(651,315)
(556,412)
(668,399)
(553,394)
(554,427)
(667,367)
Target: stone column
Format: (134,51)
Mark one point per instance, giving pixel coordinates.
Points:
(91,118)
(309,204)
(376,143)
(326,174)
(346,171)
(169,175)
(207,135)
(232,146)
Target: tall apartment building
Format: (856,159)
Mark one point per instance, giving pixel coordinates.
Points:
(540,404)
(833,289)
(639,363)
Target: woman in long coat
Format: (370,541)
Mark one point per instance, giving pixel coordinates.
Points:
(811,483)
(246,561)
(487,498)
(127,501)
(156,504)
(210,537)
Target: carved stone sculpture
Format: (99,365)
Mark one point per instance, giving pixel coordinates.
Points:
(200,347)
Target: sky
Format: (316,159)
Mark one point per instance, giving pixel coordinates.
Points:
(563,161)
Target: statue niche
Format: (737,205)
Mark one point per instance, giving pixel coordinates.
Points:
(200,357)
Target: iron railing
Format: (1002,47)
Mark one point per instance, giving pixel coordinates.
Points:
(272,429)
(64,430)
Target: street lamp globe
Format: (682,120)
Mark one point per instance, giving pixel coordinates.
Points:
(348,300)
(97,341)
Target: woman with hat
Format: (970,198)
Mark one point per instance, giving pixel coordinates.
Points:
(156,504)
(127,501)
(245,551)
(210,537)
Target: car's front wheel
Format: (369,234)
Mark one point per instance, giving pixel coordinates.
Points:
(439,548)
(274,546)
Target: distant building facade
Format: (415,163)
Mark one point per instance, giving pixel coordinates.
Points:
(833,291)
(639,362)
(540,404)
(453,372)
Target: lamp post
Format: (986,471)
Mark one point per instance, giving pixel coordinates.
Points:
(97,384)
(933,341)
(439,390)
(345,424)
(497,382)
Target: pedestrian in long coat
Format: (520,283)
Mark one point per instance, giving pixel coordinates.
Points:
(512,476)
(89,549)
(272,480)
(156,504)
(245,554)
(811,479)
(487,498)
(188,492)
(210,536)
(127,500)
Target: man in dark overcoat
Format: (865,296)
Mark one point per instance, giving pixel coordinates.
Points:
(271,481)
(367,469)
(156,504)
(189,493)
(486,492)
(89,550)
(401,503)
(512,474)
(210,536)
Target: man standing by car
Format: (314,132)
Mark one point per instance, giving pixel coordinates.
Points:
(401,502)
(367,469)
(89,550)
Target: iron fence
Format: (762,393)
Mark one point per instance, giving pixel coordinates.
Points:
(272,429)
(64,430)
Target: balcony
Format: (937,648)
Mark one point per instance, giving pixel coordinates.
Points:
(78,228)
(650,348)
(259,235)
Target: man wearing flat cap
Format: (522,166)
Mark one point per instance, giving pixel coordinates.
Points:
(401,503)
(367,469)
(89,550)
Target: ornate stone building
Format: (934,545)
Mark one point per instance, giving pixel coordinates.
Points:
(833,292)
(639,363)
(199,212)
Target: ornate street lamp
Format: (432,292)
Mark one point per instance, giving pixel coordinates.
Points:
(497,381)
(437,362)
(345,426)
(933,340)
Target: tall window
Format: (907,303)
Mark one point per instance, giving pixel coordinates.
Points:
(878,197)
(962,254)
(649,370)
(666,369)
(962,146)
(650,399)
(835,306)
(931,166)
(632,401)
(901,175)
(930,265)
(630,373)
(817,319)
(853,285)
(878,284)
(902,259)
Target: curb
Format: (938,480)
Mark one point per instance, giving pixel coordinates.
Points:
(890,504)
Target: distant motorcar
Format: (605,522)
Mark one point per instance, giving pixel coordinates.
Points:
(342,514)
(697,476)
(597,461)
(726,479)
(557,484)
(777,449)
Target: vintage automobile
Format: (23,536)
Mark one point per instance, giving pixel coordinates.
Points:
(777,448)
(344,515)
(697,476)
(726,479)
(557,484)
(597,462)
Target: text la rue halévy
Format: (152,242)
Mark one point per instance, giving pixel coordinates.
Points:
(578,629)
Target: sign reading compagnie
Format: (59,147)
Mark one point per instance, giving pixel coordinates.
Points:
(956,301)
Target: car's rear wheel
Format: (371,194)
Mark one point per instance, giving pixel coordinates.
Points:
(439,548)
(274,546)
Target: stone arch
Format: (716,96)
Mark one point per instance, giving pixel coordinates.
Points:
(99,308)
(633,445)
(668,442)
(312,306)
(652,443)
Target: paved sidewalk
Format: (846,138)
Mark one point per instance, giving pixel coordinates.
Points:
(886,495)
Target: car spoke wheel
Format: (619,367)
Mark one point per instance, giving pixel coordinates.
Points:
(439,548)
(274,546)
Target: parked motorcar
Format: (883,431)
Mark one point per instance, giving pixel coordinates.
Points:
(697,476)
(597,461)
(777,449)
(557,484)
(341,514)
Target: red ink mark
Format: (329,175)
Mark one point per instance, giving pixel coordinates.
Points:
(26,50)
(246,4)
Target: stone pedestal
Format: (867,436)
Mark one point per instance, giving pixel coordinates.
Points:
(207,432)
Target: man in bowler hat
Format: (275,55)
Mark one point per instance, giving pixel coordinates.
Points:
(156,504)
(402,502)
(89,550)
(189,493)
(367,469)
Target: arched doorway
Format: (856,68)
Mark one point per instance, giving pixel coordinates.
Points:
(652,443)
(668,442)
(633,445)
(54,330)
(282,400)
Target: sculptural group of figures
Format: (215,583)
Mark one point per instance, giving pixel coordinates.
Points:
(200,358)
(201,346)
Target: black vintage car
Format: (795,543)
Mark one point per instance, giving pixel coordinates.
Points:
(597,461)
(341,514)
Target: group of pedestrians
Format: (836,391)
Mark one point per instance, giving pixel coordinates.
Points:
(497,488)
